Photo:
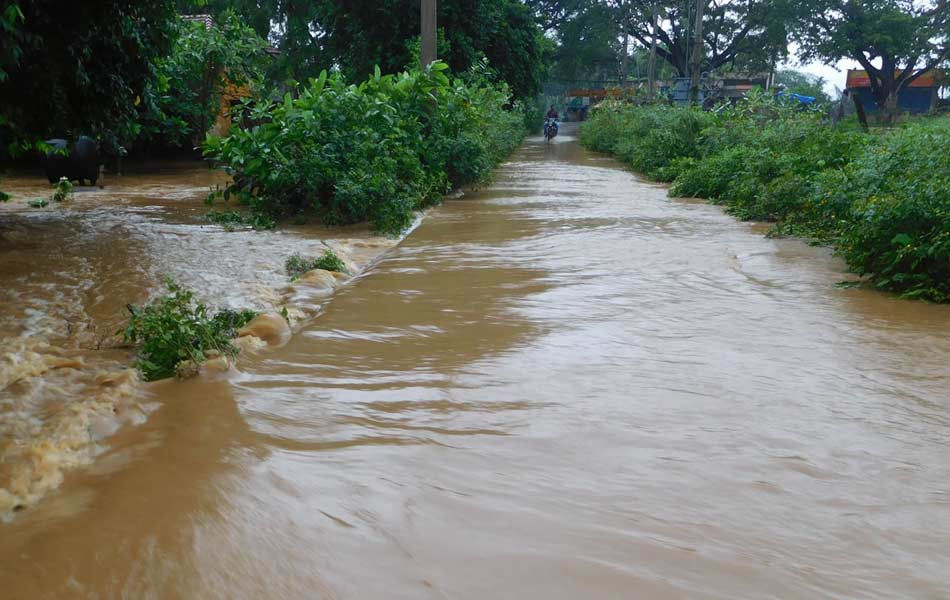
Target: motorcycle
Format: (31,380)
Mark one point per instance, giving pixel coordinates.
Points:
(550,129)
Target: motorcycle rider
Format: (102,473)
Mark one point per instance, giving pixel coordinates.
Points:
(550,123)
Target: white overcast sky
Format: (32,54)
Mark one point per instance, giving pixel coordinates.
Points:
(834,74)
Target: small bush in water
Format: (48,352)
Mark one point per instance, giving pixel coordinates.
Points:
(62,190)
(177,329)
(297,265)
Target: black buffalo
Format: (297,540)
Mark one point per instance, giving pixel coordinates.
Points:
(82,161)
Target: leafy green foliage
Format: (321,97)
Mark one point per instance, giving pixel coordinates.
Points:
(649,138)
(297,265)
(882,200)
(374,152)
(361,34)
(176,330)
(62,190)
(746,36)
(183,101)
(76,68)
(895,41)
(899,227)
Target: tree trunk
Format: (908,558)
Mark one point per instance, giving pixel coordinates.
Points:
(624,67)
(889,110)
(859,108)
(698,52)
(651,69)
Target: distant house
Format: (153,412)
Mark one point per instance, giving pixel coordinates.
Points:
(919,97)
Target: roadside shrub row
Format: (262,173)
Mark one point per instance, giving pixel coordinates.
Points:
(373,152)
(883,200)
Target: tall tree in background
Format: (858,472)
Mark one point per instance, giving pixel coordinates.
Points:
(750,33)
(77,67)
(895,41)
(357,35)
(589,48)
(292,26)
(363,33)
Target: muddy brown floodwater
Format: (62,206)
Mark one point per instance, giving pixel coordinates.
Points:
(566,385)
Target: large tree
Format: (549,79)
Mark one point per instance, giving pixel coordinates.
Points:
(357,35)
(360,34)
(895,41)
(77,67)
(747,33)
(589,48)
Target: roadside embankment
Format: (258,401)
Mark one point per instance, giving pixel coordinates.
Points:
(881,199)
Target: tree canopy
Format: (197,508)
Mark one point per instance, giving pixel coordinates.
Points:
(71,67)
(895,41)
(751,33)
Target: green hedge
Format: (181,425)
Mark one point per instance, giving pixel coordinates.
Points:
(373,152)
(883,200)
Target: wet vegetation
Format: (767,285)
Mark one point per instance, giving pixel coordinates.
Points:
(232,219)
(882,200)
(376,151)
(297,265)
(175,334)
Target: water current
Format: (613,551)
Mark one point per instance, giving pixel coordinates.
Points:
(565,385)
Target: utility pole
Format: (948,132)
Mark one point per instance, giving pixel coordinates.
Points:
(624,67)
(698,53)
(427,51)
(651,66)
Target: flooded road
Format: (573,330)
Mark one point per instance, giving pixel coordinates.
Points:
(563,386)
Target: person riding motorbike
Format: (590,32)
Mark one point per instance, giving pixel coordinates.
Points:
(550,123)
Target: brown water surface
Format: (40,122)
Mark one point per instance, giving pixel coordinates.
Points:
(564,386)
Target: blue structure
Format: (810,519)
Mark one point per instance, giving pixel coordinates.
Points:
(919,97)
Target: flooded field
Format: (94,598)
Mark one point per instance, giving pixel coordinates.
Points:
(565,385)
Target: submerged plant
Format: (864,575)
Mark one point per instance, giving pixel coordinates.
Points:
(232,219)
(176,331)
(297,265)
(62,190)
(38,202)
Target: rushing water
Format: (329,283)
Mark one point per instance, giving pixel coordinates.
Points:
(563,386)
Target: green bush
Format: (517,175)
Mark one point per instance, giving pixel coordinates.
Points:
(882,200)
(297,265)
(899,230)
(182,101)
(648,138)
(373,152)
(176,330)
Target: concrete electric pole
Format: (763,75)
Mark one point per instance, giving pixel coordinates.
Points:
(427,53)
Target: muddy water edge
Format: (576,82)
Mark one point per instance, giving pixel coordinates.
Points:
(566,385)
(69,269)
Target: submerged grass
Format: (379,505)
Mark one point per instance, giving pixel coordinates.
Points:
(297,265)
